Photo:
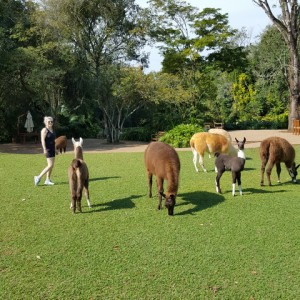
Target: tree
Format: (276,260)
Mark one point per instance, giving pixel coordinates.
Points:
(189,37)
(245,102)
(289,26)
(269,65)
(104,35)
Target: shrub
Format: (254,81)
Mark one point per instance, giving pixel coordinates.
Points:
(141,134)
(180,135)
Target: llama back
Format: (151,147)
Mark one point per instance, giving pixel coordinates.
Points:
(278,148)
(161,159)
(221,132)
(212,142)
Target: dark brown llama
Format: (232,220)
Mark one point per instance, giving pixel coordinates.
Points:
(61,144)
(78,174)
(162,161)
(275,150)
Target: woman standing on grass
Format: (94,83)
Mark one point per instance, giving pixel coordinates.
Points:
(48,144)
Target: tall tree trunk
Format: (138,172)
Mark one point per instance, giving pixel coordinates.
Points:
(293,87)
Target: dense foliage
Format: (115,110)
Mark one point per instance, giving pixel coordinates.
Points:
(84,63)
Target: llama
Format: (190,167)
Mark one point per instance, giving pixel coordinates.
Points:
(210,142)
(61,144)
(162,161)
(231,150)
(235,164)
(78,174)
(275,150)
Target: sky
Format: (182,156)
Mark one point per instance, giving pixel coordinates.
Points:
(241,13)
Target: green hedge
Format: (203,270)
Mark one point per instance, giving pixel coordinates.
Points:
(180,135)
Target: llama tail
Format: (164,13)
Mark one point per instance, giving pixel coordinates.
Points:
(76,163)
(192,143)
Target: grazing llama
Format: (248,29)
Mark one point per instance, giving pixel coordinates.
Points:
(273,151)
(78,174)
(61,144)
(162,161)
(235,164)
(202,142)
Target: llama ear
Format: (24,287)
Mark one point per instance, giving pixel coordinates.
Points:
(244,141)
(236,140)
(73,141)
(81,141)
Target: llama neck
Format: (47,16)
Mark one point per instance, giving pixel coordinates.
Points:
(78,153)
(241,154)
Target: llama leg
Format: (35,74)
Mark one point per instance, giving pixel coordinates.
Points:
(238,177)
(234,177)
(278,170)
(268,172)
(149,185)
(201,162)
(79,205)
(73,203)
(160,189)
(87,196)
(264,161)
(87,193)
(79,196)
(218,189)
(195,155)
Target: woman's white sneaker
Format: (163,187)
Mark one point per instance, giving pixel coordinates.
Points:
(36,180)
(48,182)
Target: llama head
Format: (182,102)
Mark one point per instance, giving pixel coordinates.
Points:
(241,144)
(77,144)
(293,172)
(170,202)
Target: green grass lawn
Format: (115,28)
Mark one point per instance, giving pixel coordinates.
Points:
(214,247)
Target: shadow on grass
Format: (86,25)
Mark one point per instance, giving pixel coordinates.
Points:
(200,200)
(90,180)
(103,178)
(263,190)
(123,203)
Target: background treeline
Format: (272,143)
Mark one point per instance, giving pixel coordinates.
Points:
(84,63)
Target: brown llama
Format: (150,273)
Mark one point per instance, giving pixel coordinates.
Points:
(78,174)
(61,144)
(202,142)
(273,151)
(162,161)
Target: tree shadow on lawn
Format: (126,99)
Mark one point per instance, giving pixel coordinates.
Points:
(123,203)
(200,200)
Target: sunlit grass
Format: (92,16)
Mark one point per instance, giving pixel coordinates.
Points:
(215,246)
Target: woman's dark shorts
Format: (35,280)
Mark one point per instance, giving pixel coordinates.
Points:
(50,153)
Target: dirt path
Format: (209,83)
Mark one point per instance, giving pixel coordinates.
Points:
(253,137)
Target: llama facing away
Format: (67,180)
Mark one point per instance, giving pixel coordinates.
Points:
(61,144)
(235,164)
(78,175)
(273,151)
(202,142)
(162,161)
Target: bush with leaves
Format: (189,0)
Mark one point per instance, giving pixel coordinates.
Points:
(180,135)
(142,134)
